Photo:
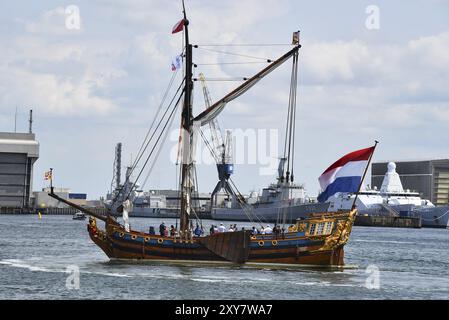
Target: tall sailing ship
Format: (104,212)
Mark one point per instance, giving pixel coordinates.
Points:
(316,240)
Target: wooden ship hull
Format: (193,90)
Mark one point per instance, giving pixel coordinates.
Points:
(315,241)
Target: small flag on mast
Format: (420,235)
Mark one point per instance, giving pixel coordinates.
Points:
(176,63)
(178,27)
(295,40)
(48,175)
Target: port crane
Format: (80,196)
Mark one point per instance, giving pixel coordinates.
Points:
(221,150)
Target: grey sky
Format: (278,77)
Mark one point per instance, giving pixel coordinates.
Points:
(92,88)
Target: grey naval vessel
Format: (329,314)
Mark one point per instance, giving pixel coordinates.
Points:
(281,201)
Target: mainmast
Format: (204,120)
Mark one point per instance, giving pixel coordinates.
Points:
(188,121)
(186,132)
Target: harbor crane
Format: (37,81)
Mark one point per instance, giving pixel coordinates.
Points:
(221,150)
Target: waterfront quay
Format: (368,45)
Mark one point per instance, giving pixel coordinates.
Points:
(46,211)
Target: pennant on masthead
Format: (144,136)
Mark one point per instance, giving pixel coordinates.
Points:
(178,27)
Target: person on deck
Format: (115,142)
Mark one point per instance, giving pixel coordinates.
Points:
(162,229)
(277,230)
(172,231)
(221,228)
(211,230)
(254,231)
(198,232)
(268,230)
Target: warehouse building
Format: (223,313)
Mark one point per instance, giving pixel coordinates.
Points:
(428,177)
(43,200)
(18,153)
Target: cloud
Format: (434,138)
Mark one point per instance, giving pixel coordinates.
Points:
(51,22)
(48,68)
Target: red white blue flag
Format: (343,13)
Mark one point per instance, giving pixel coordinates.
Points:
(345,174)
(48,175)
(176,63)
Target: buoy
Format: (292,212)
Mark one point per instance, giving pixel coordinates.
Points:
(39,214)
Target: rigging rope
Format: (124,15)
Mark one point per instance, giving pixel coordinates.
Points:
(157,127)
(247,209)
(232,63)
(295,90)
(157,114)
(289,142)
(159,151)
(147,144)
(233,53)
(224,79)
(245,45)
(211,150)
(156,143)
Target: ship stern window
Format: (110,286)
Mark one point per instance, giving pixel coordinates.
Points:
(328,228)
(320,228)
(312,229)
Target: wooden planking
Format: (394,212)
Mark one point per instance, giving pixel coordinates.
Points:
(232,246)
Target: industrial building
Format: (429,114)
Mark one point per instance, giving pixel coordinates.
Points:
(43,200)
(18,153)
(428,177)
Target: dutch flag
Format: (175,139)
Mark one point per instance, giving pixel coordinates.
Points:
(345,174)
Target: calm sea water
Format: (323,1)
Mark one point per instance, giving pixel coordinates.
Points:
(35,254)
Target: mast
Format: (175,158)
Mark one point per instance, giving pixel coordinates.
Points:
(186,121)
(364,174)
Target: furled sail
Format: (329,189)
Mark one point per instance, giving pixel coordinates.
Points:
(214,110)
